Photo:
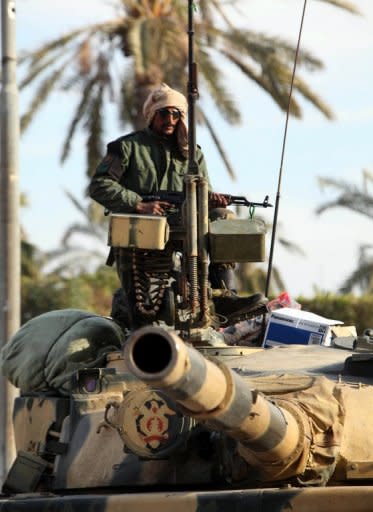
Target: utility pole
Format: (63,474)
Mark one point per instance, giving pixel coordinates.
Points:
(9,221)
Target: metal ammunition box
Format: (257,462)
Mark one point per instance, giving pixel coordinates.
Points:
(237,240)
(140,231)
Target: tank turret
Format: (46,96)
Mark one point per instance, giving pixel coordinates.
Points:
(272,435)
(304,428)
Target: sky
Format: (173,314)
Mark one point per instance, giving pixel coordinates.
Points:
(315,146)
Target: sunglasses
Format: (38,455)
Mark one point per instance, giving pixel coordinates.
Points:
(165,112)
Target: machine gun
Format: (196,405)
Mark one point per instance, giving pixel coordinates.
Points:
(178,198)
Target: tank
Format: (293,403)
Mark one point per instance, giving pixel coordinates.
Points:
(167,416)
(220,428)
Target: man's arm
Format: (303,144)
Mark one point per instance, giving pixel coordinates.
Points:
(106,187)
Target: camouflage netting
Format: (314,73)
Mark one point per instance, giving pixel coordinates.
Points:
(46,351)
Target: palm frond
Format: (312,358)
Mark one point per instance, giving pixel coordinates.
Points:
(77,118)
(77,204)
(218,144)
(43,51)
(86,212)
(59,262)
(291,246)
(277,279)
(312,97)
(214,82)
(95,130)
(36,70)
(342,4)
(134,45)
(150,36)
(354,201)
(260,47)
(80,229)
(360,278)
(338,184)
(41,95)
(126,108)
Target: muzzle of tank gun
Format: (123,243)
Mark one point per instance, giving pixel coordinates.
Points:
(212,393)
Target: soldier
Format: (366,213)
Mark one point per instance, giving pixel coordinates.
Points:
(148,161)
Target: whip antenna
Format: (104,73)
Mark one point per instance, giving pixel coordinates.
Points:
(275,214)
(192,93)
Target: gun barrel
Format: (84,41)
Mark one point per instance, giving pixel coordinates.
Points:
(212,393)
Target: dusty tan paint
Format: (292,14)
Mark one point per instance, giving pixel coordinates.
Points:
(356,444)
(28,432)
(116,360)
(258,420)
(210,394)
(286,447)
(152,502)
(141,231)
(256,423)
(213,389)
(332,499)
(326,499)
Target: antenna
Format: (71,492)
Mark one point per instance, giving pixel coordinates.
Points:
(192,177)
(192,93)
(277,203)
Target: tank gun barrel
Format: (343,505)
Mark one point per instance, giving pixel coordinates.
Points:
(211,392)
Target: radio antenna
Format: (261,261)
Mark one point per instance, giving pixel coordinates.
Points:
(192,93)
(277,203)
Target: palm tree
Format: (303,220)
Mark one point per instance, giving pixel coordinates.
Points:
(351,196)
(362,276)
(251,277)
(150,37)
(72,256)
(359,200)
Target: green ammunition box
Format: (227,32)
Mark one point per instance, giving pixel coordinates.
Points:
(237,240)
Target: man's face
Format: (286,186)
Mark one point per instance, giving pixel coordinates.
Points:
(165,121)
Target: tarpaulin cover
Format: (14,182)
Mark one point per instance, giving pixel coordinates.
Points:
(319,406)
(47,350)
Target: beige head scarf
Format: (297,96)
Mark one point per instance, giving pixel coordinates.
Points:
(162,97)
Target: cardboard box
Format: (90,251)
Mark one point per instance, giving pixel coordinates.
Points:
(289,326)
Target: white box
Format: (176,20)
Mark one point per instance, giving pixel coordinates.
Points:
(289,326)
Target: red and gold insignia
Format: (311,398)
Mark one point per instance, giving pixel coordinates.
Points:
(153,422)
(150,426)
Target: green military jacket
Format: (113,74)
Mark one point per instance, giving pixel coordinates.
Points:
(136,164)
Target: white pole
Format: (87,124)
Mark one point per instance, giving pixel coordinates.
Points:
(9,221)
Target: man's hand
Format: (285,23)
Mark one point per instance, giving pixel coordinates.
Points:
(218,200)
(153,207)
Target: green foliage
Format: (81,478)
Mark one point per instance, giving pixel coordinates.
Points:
(90,292)
(358,199)
(349,309)
(119,61)
(66,286)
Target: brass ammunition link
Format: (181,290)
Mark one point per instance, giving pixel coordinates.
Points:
(151,271)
